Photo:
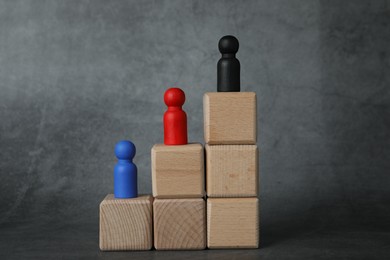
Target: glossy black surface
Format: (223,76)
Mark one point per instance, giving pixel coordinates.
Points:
(228,66)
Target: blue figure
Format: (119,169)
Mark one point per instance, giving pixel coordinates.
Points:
(125,172)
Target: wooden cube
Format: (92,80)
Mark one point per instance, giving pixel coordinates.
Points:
(232,223)
(179,224)
(232,170)
(230,117)
(126,224)
(178,171)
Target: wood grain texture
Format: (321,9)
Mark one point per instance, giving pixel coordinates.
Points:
(232,223)
(230,117)
(179,224)
(232,170)
(126,224)
(178,171)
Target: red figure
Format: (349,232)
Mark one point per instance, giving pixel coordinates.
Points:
(175,119)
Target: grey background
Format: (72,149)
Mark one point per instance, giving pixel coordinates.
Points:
(77,76)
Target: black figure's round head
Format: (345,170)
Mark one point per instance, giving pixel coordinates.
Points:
(228,44)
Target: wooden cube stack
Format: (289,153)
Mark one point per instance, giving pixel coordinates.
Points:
(231,170)
(177,215)
(178,187)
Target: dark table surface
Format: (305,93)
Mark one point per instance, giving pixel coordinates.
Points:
(338,240)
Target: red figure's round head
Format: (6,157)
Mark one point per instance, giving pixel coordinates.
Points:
(174,97)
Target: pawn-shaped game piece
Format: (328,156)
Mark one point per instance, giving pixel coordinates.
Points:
(175,119)
(228,68)
(125,172)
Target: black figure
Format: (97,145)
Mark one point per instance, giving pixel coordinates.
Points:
(228,66)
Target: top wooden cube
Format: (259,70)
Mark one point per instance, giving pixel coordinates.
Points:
(230,117)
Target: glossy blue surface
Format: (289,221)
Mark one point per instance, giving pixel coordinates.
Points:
(125,171)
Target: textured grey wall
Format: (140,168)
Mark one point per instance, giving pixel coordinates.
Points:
(77,76)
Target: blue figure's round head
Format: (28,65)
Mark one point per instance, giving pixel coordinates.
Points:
(125,150)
